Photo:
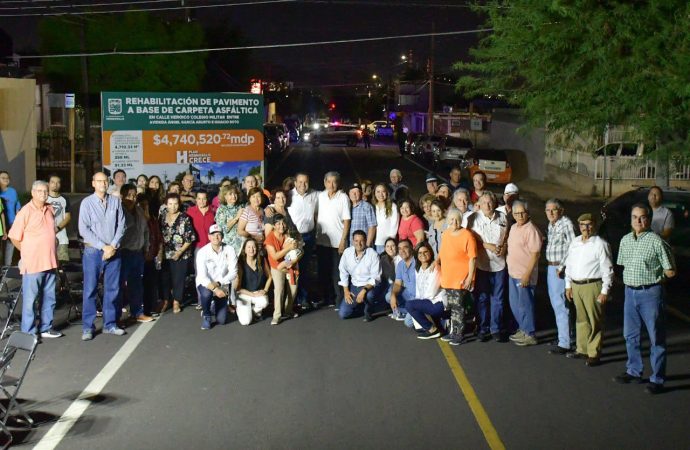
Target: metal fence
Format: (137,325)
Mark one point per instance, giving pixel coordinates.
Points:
(614,167)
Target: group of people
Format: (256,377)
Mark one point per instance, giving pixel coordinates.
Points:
(444,265)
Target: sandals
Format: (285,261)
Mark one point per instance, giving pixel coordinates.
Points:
(176,307)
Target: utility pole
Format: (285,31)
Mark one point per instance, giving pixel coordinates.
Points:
(430,112)
(85,101)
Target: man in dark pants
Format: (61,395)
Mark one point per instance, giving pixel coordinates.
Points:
(302,211)
(332,230)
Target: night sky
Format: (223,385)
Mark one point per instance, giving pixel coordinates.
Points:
(317,21)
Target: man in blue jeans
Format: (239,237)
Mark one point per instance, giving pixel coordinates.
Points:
(33,234)
(646,259)
(404,287)
(101,225)
(360,272)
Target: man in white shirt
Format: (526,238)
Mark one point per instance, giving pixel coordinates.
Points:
(588,279)
(360,272)
(62,217)
(491,230)
(302,209)
(332,229)
(510,194)
(396,183)
(662,217)
(216,268)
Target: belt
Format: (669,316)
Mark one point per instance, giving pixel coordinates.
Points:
(553,263)
(644,286)
(587,281)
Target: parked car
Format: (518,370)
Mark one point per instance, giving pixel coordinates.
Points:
(410,140)
(277,135)
(349,135)
(373,125)
(494,163)
(384,129)
(621,149)
(425,147)
(616,223)
(294,129)
(453,152)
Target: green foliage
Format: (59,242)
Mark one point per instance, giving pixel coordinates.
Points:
(132,31)
(579,65)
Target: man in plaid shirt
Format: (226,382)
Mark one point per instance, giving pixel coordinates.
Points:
(363,215)
(646,259)
(560,232)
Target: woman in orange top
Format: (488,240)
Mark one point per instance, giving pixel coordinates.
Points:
(457,258)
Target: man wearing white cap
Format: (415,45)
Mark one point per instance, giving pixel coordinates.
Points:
(510,194)
(216,268)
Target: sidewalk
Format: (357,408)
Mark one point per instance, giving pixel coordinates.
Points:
(545,190)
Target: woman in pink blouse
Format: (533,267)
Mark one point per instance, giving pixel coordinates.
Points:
(251,223)
(411,226)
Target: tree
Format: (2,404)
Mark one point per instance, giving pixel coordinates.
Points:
(581,65)
(131,31)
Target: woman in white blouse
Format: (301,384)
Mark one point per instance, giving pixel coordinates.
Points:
(387,216)
(430,300)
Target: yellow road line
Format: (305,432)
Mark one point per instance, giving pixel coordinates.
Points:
(675,312)
(480,415)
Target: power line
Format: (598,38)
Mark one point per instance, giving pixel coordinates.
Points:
(253,47)
(90,5)
(168,8)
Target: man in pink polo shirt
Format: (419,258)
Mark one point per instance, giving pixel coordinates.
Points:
(33,234)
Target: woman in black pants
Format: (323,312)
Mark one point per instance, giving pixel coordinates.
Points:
(178,236)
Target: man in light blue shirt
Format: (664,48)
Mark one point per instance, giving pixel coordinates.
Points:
(405,285)
(101,225)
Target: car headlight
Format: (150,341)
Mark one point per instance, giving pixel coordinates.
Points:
(307,136)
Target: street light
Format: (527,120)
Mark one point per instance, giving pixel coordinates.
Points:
(403,57)
(374,77)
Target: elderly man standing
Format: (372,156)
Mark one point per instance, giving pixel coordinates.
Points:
(101,225)
(332,230)
(431,183)
(646,261)
(33,234)
(491,231)
(302,209)
(560,234)
(510,194)
(363,215)
(360,272)
(588,279)
(396,183)
(187,196)
(524,247)
(216,269)
(134,244)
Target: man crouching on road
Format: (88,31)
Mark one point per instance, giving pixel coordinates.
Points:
(216,268)
(360,271)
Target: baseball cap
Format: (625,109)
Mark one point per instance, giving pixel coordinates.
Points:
(430,177)
(214,229)
(511,188)
(354,186)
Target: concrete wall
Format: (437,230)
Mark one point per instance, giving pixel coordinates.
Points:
(18,130)
(528,150)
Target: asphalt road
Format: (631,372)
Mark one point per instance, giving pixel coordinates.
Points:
(319,382)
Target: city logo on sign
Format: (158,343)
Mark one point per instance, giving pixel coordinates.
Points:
(115,106)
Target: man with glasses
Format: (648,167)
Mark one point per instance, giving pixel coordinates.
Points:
(524,248)
(588,280)
(560,232)
(647,261)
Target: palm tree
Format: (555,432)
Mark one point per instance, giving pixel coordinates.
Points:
(210,175)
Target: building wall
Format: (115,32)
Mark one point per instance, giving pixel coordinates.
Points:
(18,130)
(527,150)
